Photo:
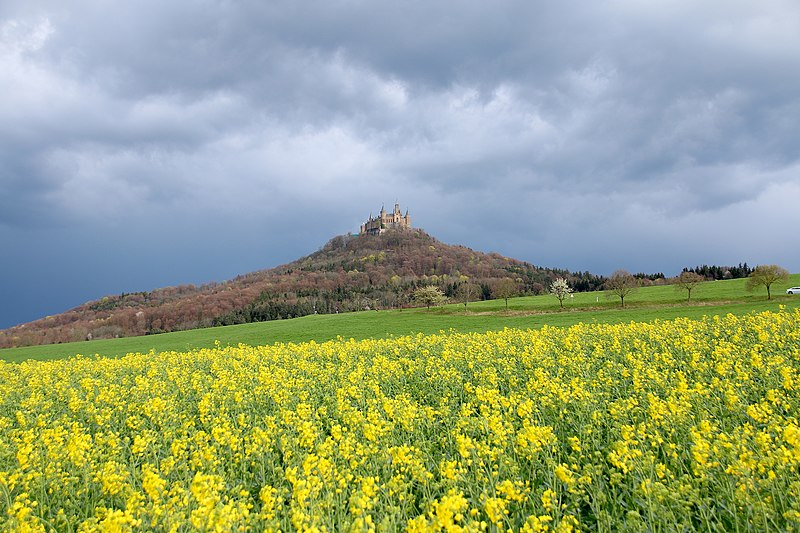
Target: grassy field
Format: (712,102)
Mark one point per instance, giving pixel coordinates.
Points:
(647,304)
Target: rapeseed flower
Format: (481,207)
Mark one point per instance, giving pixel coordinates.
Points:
(678,425)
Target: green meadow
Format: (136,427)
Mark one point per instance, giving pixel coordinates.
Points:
(646,304)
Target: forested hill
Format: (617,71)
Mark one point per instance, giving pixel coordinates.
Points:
(349,273)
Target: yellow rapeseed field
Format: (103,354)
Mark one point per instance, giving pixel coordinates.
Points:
(668,426)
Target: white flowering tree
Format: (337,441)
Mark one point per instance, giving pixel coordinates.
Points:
(429,296)
(560,289)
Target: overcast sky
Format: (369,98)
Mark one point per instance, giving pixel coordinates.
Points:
(151,143)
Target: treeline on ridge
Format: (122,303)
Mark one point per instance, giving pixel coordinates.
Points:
(714,272)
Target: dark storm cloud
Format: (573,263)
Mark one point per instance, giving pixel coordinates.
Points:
(644,135)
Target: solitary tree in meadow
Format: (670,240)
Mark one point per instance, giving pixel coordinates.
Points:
(466,293)
(621,284)
(765,276)
(505,288)
(429,296)
(688,281)
(560,289)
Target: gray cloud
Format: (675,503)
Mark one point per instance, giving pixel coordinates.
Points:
(645,136)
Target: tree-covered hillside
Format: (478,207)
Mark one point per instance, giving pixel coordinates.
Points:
(348,273)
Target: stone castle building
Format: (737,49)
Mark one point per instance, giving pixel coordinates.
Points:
(384,221)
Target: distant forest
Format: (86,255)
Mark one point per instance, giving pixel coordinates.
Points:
(722,272)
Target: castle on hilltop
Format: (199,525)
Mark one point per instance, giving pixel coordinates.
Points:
(384,221)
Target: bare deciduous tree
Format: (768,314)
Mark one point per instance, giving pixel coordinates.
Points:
(765,276)
(688,281)
(621,284)
(505,288)
(466,293)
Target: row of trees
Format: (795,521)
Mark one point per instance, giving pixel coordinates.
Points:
(620,284)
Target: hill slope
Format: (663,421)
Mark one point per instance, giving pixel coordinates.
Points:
(349,273)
